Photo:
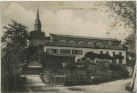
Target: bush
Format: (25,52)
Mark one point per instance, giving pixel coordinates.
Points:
(115,67)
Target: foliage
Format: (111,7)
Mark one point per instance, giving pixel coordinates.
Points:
(104,56)
(35,52)
(15,42)
(131,60)
(118,57)
(90,55)
(119,69)
(126,12)
(114,66)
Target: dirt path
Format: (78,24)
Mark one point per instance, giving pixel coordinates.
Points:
(110,87)
(36,85)
(34,80)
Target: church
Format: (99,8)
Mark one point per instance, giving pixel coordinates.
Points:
(63,49)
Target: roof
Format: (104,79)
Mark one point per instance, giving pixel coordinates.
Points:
(82,37)
(82,46)
(87,42)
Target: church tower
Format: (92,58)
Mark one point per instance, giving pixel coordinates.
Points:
(37,24)
(37,37)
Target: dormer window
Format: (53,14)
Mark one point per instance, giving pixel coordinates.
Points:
(90,44)
(72,42)
(99,44)
(81,42)
(109,43)
(62,41)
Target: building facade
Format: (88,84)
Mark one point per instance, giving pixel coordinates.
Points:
(78,46)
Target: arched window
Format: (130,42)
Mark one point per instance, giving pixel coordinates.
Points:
(62,41)
(81,42)
(99,44)
(72,42)
(91,43)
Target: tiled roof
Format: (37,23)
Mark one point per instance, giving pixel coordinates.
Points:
(82,37)
(81,42)
(82,46)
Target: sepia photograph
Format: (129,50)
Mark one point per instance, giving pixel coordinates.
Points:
(68,47)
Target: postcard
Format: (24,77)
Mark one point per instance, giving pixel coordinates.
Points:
(68,47)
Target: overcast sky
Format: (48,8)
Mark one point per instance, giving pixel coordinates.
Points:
(66,18)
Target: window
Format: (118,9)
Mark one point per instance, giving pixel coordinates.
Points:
(91,44)
(107,53)
(72,42)
(99,44)
(120,53)
(109,43)
(65,51)
(62,41)
(113,53)
(81,42)
(54,50)
(78,60)
(101,52)
(116,43)
(73,51)
(77,52)
(48,50)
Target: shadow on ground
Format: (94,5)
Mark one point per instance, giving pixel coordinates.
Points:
(76,89)
(43,89)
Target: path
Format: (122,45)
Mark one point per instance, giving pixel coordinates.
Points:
(35,84)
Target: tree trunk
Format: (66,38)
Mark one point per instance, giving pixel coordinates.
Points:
(133,81)
(15,83)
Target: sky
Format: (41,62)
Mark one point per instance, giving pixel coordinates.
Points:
(69,18)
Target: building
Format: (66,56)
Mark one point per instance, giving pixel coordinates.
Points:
(79,46)
(61,48)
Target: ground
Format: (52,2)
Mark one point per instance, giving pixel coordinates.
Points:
(35,84)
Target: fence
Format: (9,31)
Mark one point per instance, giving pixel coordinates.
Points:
(84,75)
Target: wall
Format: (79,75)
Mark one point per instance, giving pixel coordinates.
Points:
(85,50)
(36,42)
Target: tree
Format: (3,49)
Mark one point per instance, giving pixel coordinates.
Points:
(15,42)
(126,11)
(90,55)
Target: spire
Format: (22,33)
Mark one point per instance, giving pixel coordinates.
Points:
(37,13)
(37,22)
